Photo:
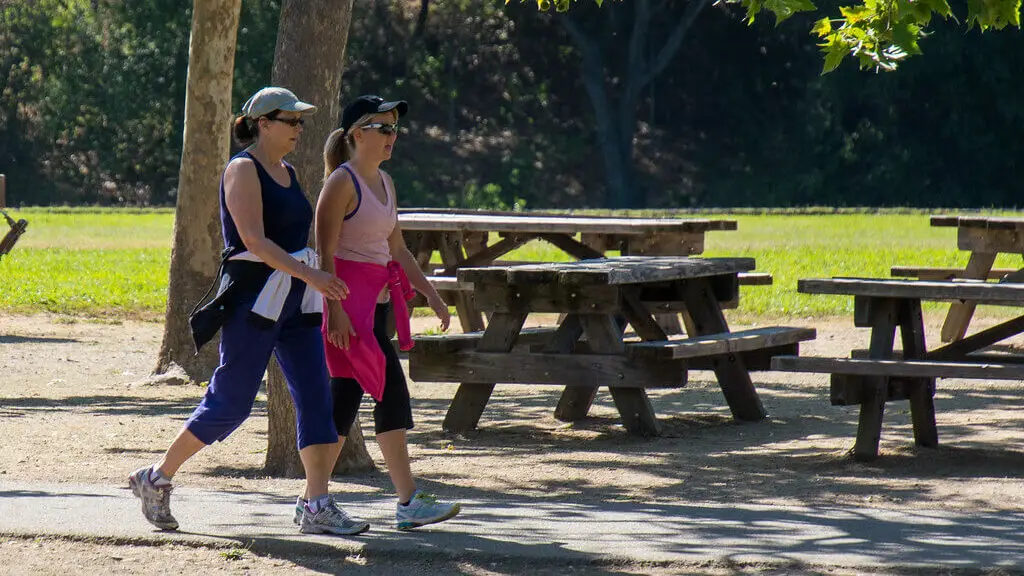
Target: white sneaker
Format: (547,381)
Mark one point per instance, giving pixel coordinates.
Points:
(424,509)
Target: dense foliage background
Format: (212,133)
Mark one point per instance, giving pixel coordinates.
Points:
(92,98)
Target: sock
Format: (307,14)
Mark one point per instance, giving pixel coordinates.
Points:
(407,502)
(314,505)
(158,478)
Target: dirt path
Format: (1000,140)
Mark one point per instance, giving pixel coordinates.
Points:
(69,409)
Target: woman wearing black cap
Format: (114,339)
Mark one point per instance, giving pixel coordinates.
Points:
(357,222)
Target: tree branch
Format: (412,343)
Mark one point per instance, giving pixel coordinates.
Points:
(674,41)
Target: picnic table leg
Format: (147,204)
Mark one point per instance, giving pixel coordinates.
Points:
(922,392)
(471,398)
(604,334)
(450,247)
(960,313)
(733,378)
(574,404)
(881,315)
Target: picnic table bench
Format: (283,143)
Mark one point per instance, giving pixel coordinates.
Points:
(588,348)
(462,238)
(985,237)
(882,374)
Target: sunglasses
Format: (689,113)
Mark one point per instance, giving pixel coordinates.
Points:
(384,129)
(293,122)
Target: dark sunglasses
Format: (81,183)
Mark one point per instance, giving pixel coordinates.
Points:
(293,122)
(385,129)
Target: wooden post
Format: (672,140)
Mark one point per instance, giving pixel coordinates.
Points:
(3,191)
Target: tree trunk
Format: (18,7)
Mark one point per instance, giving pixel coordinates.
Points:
(308,60)
(197,235)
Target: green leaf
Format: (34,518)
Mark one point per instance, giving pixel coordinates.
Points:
(822,27)
(783,9)
(833,57)
(905,35)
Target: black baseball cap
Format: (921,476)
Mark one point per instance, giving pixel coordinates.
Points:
(370,104)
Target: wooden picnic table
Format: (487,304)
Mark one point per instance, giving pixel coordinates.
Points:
(880,374)
(985,237)
(464,239)
(587,349)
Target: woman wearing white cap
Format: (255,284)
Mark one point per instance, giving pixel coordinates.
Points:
(269,301)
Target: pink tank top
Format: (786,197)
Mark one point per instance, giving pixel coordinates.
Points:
(364,235)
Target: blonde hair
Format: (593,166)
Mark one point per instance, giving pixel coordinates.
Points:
(340,145)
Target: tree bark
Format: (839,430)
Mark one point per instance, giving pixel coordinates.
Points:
(197,235)
(308,60)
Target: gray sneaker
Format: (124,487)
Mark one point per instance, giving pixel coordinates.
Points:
(300,506)
(156,500)
(331,519)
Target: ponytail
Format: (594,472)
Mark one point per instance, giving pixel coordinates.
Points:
(337,151)
(244,130)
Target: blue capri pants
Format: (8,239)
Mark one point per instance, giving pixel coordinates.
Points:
(244,353)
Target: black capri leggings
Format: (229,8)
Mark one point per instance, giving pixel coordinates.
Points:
(394,411)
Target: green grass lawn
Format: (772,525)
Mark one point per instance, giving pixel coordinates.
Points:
(113,263)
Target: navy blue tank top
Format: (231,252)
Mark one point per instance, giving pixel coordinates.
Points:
(287,215)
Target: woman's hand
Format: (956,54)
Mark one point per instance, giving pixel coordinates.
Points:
(339,327)
(332,287)
(440,308)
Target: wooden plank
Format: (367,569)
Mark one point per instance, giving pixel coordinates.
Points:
(639,269)
(725,343)
(570,225)
(640,318)
(549,297)
(922,390)
(448,343)
(604,336)
(944,220)
(733,378)
(585,371)
(635,409)
(994,241)
(848,389)
(449,284)
(929,273)
(972,358)
(620,270)
(755,279)
(665,244)
(959,315)
(450,248)
(471,398)
(487,254)
(977,341)
(901,368)
(990,222)
(883,317)
(978,291)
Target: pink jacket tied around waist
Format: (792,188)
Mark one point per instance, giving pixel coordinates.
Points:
(364,360)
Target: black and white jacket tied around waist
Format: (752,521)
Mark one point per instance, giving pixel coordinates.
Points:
(244,278)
